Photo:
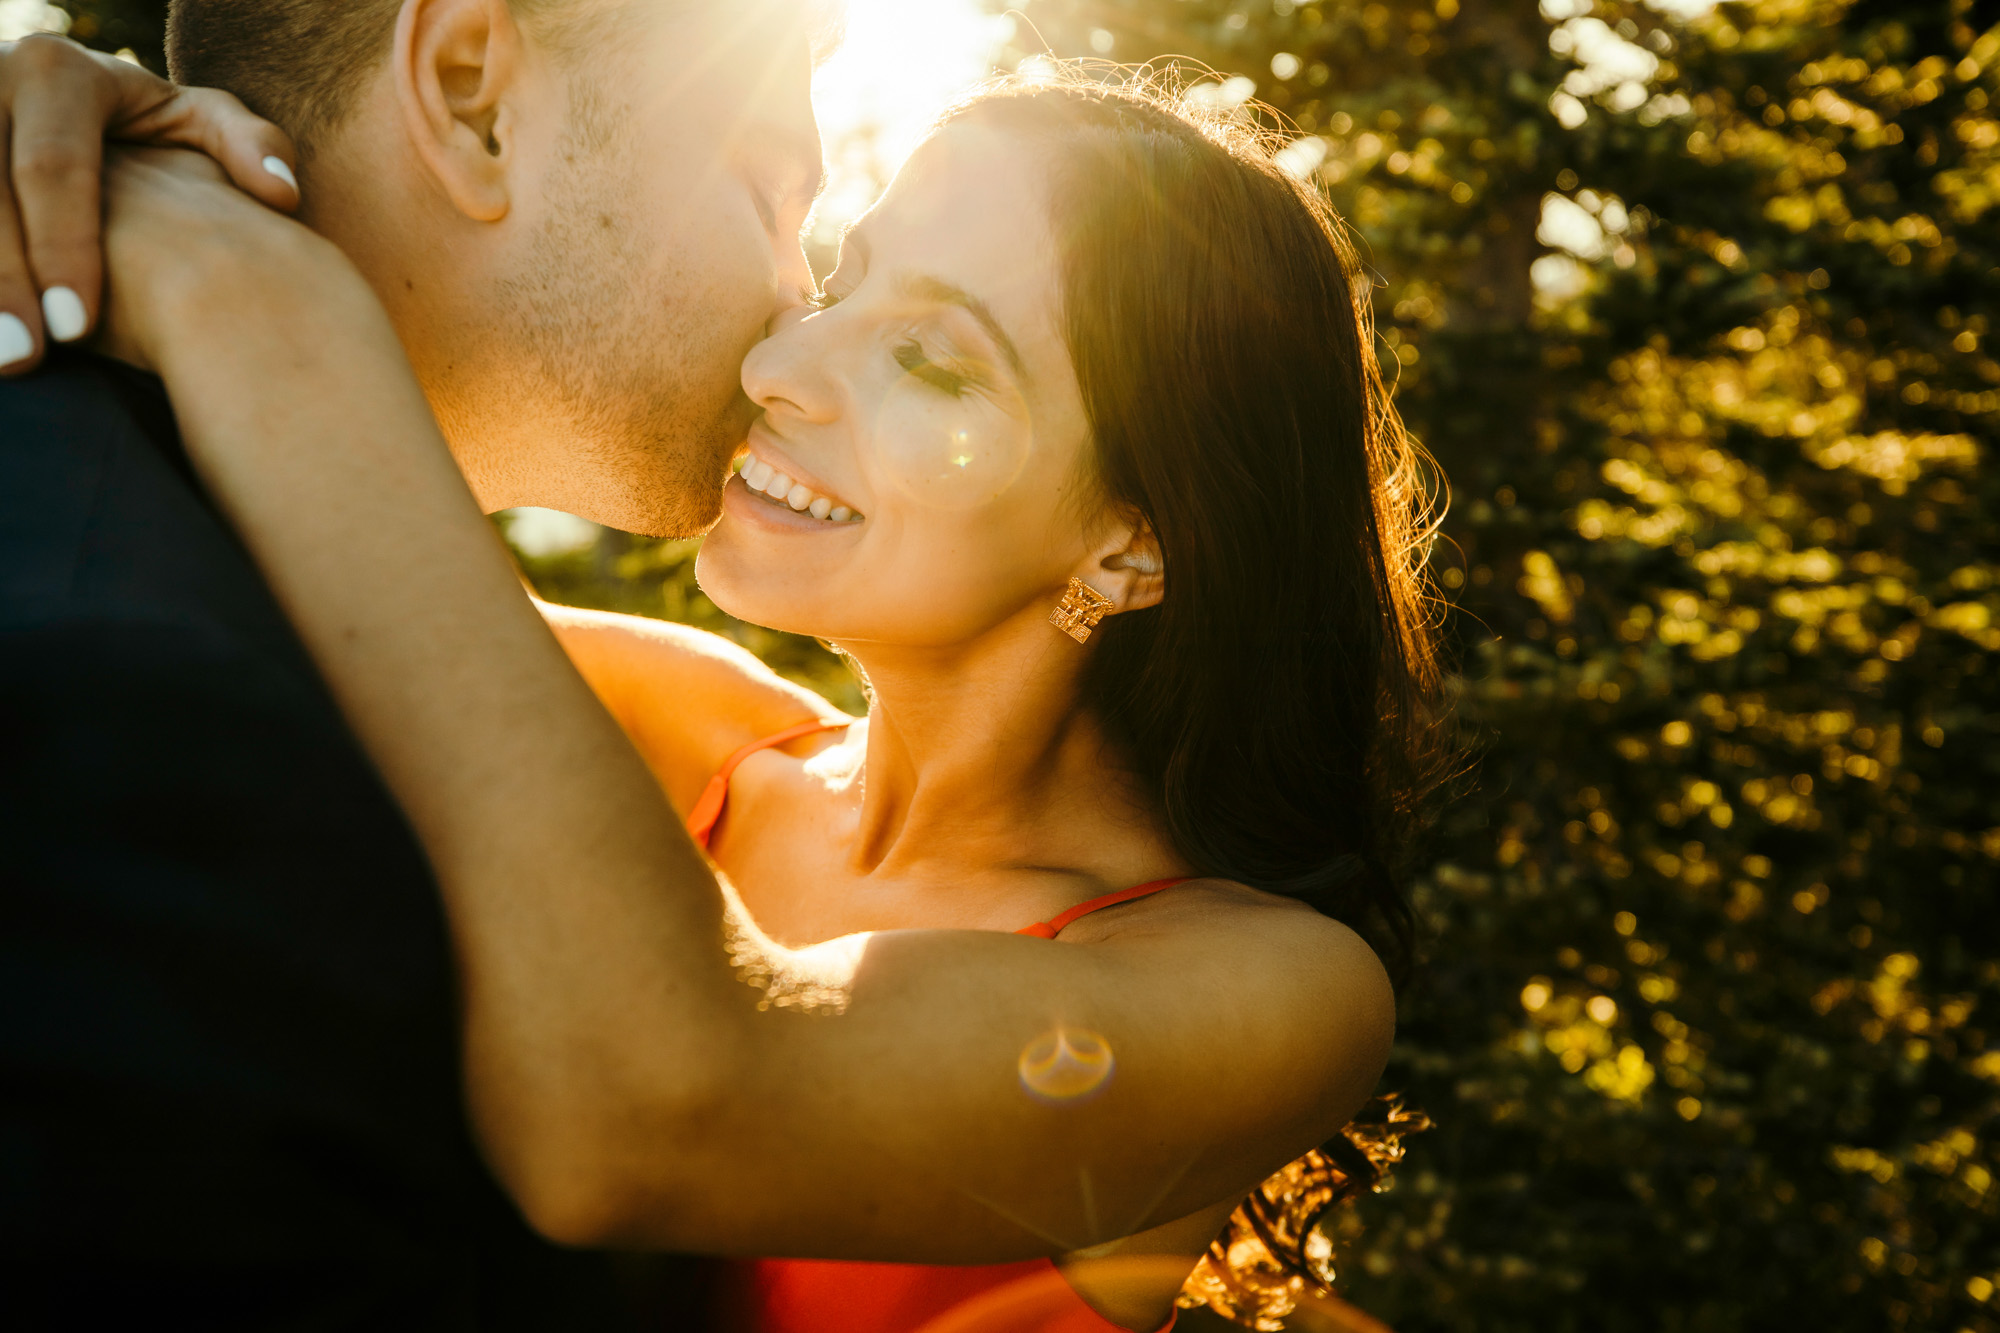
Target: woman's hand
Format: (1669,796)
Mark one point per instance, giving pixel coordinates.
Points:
(58,104)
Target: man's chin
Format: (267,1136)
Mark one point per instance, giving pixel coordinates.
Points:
(675,487)
(679,504)
(666,510)
(672,500)
(687,516)
(646,480)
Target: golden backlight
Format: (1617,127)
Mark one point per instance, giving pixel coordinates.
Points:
(900,63)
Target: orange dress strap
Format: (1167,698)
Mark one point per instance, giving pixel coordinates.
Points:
(1048,930)
(707,812)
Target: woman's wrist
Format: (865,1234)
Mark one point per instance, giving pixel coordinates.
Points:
(262,292)
(192,262)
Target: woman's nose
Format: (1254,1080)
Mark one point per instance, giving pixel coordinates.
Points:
(788,372)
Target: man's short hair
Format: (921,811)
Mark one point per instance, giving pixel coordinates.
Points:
(301,63)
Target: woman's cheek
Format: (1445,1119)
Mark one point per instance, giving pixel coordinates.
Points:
(949,453)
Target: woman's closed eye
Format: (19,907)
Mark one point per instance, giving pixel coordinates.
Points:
(909,354)
(912,358)
(770,198)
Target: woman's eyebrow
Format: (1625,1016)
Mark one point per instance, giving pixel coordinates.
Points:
(923,287)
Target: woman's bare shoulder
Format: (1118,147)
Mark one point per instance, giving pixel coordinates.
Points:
(1225,910)
(1274,956)
(688,698)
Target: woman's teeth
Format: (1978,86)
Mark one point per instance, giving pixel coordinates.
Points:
(778,488)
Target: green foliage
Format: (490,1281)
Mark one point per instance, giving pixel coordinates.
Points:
(1703,1025)
(644,577)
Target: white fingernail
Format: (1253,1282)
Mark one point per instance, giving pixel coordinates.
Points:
(16,343)
(277,167)
(63,312)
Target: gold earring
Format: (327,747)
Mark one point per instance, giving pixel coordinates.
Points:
(1080,610)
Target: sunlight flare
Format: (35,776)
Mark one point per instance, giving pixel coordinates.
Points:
(901,63)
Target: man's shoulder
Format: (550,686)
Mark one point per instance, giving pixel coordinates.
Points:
(91,464)
(76,395)
(60,425)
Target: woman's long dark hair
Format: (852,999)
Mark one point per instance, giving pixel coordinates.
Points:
(1281,704)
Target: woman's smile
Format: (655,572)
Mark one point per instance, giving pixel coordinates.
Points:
(741,502)
(780,484)
(779,488)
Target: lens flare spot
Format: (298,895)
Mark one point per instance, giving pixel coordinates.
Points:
(953,464)
(1066,1065)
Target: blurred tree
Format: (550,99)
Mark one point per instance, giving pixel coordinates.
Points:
(1693,304)
(138,26)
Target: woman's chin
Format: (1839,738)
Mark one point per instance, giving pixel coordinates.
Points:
(753,567)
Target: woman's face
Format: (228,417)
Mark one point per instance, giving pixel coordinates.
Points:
(924,426)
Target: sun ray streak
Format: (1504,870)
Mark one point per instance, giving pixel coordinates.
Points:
(1007,1214)
(1096,1237)
(1145,1213)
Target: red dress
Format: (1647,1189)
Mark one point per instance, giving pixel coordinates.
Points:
(833,1296)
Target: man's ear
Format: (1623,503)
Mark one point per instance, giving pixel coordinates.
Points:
(1130,571)
(457,66)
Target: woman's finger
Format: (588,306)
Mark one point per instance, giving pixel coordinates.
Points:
(258,156)
(58,99)
(20,310)
(64,102)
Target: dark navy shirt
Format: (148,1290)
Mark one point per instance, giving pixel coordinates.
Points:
(229,1090)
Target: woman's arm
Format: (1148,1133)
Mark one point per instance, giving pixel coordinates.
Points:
(628,1084)
(686,699)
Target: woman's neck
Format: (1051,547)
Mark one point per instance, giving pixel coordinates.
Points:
(981,757)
